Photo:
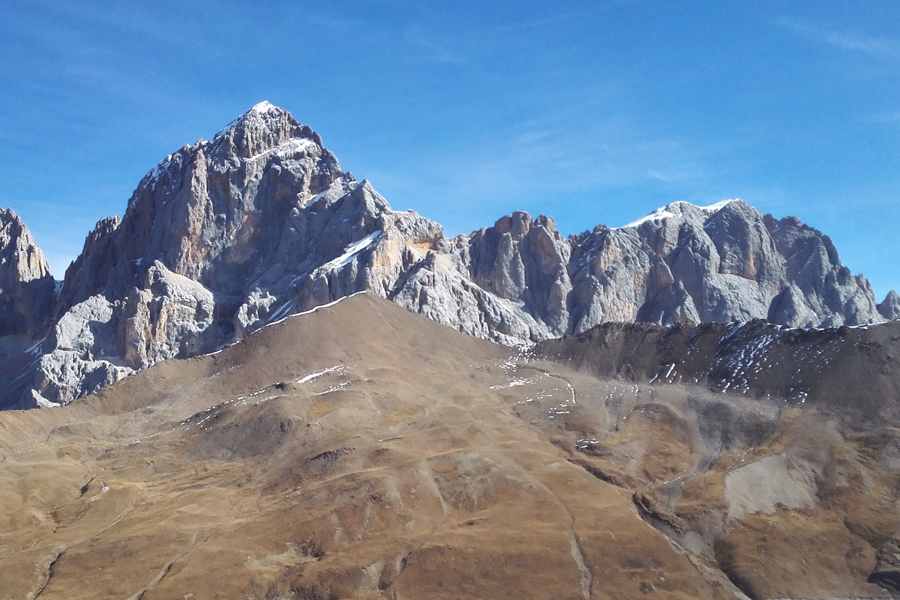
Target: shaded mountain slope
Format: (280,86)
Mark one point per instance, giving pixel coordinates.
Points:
(851,371)
(774,450)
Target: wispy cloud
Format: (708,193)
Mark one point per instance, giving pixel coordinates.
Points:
(876,46)
(562,17)
(429,48)
(553,167)
(886,117)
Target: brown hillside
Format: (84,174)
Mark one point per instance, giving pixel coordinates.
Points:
(361,451)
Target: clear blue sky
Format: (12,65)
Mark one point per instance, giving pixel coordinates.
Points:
(591,112)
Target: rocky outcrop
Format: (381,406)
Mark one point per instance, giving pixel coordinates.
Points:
(227,235)
(26,286)
(719,263)
(887,571)
(81,353)
(890,307)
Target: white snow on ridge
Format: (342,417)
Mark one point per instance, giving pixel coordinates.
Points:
(153,176)
(289,147)
(311,376)
(674,210)
(351,251)
(713,208)
(284,308)
(263,107)
(312,310)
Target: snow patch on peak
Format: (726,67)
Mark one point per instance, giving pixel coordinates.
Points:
(676,209)
(713,208)
(289,148)
(263,107)
(351,251)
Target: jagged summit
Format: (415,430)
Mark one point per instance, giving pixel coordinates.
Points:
(681,208)
(890,307)
(263,128)
(225,236)
(264,107)
(26,286)
(262,112)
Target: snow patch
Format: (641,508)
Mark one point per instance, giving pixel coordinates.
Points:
(263,107)
(291,146)
(287,305)
(351,251)
(311,376)
(41,401)
(334,388)
(675,210)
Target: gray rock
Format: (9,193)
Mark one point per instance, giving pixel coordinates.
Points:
(169,316)
(890,307)
(26,287)
(887,569)
(227,235)
(81,354)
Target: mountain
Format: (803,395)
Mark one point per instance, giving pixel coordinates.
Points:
(227,235)
(26,286)
(890,306)
(768,449)
(362,451)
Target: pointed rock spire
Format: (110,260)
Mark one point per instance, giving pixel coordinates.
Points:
(890,307)
(26,287)
(263,128)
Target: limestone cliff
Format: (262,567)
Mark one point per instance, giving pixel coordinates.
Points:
(26,287)
(227,235)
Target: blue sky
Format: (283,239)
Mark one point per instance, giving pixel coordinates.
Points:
(464,111)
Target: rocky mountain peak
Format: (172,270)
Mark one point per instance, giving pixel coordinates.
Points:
(26,287)
(681,210)
(228,235)
(890,307)
(264,128)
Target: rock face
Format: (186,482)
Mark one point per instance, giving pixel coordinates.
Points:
(890,308)
(227,235)
(26,286)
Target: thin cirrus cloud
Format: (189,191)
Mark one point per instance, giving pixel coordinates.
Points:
(885,48)
(429,49)
(886,117)
(534,165)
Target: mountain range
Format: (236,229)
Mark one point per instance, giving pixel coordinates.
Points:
(228,235)
(258,384)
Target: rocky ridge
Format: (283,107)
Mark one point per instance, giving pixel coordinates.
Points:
(230,234)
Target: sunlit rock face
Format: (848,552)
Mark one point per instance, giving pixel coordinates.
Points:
(228,235)
(890,307)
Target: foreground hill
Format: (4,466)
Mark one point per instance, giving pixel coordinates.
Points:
(361,451)
(260,222)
